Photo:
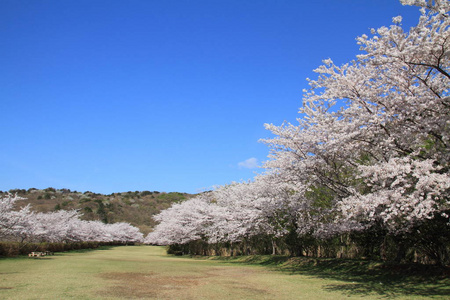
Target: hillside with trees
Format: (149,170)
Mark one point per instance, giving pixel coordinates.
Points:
(136,208)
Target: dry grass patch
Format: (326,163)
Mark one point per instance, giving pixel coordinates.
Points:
(151,285)
(145,285)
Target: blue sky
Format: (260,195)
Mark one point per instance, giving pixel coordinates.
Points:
(113,96)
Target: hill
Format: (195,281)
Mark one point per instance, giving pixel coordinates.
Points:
(136,208)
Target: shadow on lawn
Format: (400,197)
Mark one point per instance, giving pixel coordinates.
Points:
(88,249)
(360,277)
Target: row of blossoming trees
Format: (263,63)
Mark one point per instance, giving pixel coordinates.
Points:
(33,229)
(364,173)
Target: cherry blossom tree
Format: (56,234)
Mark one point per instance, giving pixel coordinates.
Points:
(262,206)
(14,224)
(59,226)
(232,213)
(182,222)
(124,233)
(374,133)
(370,151)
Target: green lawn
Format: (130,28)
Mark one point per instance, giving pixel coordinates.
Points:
(144,272)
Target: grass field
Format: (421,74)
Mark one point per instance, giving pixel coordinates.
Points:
(144,272)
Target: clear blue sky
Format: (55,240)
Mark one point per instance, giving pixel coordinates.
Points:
(168,95)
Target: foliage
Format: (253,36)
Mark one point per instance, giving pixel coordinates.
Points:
(26,226)
(10,249)
(368,162)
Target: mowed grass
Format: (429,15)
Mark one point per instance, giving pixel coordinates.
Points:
(146,272)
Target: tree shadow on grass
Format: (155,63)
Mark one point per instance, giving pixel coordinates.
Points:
(391,290)
(361,277)
(88,250)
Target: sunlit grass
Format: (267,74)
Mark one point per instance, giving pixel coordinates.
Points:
(144,272)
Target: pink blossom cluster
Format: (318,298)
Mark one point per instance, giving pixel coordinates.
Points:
(58,226)
(371,145)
